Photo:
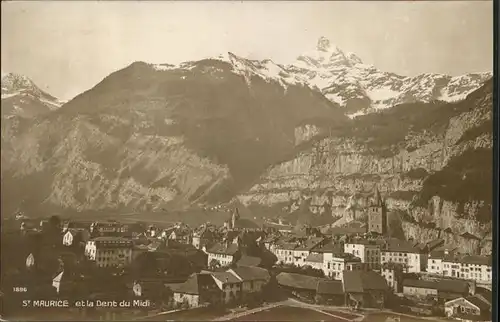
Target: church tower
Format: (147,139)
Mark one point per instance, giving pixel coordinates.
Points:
(377,214)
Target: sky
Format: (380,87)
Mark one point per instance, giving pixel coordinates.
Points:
(67,47)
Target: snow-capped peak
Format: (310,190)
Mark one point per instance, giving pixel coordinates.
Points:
(16,82)
(326,56)
(21,87)
(325,45)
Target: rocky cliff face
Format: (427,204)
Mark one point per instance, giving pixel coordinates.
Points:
(432,161)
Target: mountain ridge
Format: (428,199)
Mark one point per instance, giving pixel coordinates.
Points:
(160,136)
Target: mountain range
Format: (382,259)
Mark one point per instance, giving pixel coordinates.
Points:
(289,137)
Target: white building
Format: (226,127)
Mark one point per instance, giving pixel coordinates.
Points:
(403,252)
(109,251)
(476,268)
(68,238)
(367,250)
(284,252)
(334,264)
(435,260)
(224,254)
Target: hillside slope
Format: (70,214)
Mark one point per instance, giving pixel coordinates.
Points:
(152,136)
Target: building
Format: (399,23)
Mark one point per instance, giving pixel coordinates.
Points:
(298,285)
(420,288)
(393,274)
(303,248)
(246,260)
(442,290)
(270,242)
(280,226)
(30,261)
(469,267)
(109,251)
(71,234)
(204,237)
(377,214)
(314,260)
(335,263)
(367,250)
(253,280)
(364,289)
(223,254)
(330,293)
(230,286)
(468,308)
(403,252)
(284,251)
(198,290)
(435,259)
(450,289)
(108,228)
(56,281)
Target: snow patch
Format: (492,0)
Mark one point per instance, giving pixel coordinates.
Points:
(336,98)
(382,94)
(9,95)
(356,114)
(163,67)
(52,104)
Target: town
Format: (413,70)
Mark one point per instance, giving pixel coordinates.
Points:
(235,271)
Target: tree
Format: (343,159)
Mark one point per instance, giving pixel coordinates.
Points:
(214,264)
(55,223)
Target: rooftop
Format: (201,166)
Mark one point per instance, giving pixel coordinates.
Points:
(298,281)
(330,287)
(315,258)
(419,284)
(225,277)
(248,273)
(362,281)
(476,260)
(246,260)
(221,248)
(192,285)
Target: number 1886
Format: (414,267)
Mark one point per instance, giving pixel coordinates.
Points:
(18,289)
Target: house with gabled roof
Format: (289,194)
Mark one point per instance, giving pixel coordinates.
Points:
(330,292)
(365,289)
(197,290)
(252,279)
(230,286)
(470,308)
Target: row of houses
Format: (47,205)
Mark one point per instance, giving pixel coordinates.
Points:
(371,254)
(449,263)
(236,285)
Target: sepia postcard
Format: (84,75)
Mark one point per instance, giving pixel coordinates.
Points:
(247,161)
